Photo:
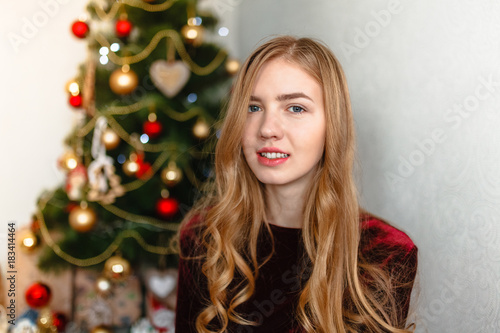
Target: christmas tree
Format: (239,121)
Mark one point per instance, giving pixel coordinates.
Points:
(146,99)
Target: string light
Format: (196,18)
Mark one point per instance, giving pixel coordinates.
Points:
(103,60)
(121,158)
(144,138)
(223,31)
(192,97)
(114,47)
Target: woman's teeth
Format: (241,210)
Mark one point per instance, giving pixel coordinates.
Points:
(273,155)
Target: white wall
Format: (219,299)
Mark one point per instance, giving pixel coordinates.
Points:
(428,168)
(35,115)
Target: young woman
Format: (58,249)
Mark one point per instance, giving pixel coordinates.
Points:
(280,244)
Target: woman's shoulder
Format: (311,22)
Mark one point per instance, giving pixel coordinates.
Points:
(383,243)
(191,233)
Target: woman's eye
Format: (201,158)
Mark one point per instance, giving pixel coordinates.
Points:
(253,108)
(296,109)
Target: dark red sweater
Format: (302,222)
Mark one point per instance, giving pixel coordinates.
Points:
(278,285)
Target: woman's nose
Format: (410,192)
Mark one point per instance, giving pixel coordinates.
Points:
(271,126)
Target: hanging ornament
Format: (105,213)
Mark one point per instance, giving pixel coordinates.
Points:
(76,101)
(69,160)
(45,321)
(152,127)
(171,175)
(82,218)
(201,130)
(75,182)
(28,241)
(73,87)
(75,98)
(80,29)
(169,76)
(143,326)
(193,32)
(116,269)
(144,168)
(24,325)
(110,139)
(232,66)
(101,329)
(35,225)
(103,182)
(161,283)
(123,80)
(38,295)
(130,167)
(59,321)
(167,207)
(123,26)
(103,286)
(161,317)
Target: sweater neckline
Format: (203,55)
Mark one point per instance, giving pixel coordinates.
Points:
(282,229)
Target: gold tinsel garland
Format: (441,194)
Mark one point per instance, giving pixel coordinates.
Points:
(132,3)
(179,46)
(111,249)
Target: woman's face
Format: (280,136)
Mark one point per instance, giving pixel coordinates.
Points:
(284,134)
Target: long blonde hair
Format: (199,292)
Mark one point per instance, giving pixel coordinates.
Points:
(334,298)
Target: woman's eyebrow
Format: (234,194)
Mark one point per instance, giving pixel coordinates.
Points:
(284,97)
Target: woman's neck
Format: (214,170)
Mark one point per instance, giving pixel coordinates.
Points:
(284,206)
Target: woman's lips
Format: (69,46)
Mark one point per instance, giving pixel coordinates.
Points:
(272,157)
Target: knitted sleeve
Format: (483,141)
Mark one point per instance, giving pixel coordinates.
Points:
(393,251)
(192,288)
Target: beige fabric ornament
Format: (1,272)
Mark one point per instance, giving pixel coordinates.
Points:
(103,182)
(169,76)
(161,283)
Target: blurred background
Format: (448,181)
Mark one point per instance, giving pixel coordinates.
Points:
(424,79)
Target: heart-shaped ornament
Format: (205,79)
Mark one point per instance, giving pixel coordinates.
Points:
(169,77)
(162,285)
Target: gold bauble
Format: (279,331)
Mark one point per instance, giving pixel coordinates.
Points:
(101,329)
(201,130)
(103,286)
(193,34)
(69,160)
(130,167)
(110,139)
(82,218)
(116,269)
(123,81)
(73,87)
(45,322)
(232,66)
(28,241)
(171,175)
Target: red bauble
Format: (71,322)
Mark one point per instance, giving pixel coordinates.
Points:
(167,207)
(152,128)
(80,29)
(123,28)
(59,320)
(76,101)
(144,167)
(38,295)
